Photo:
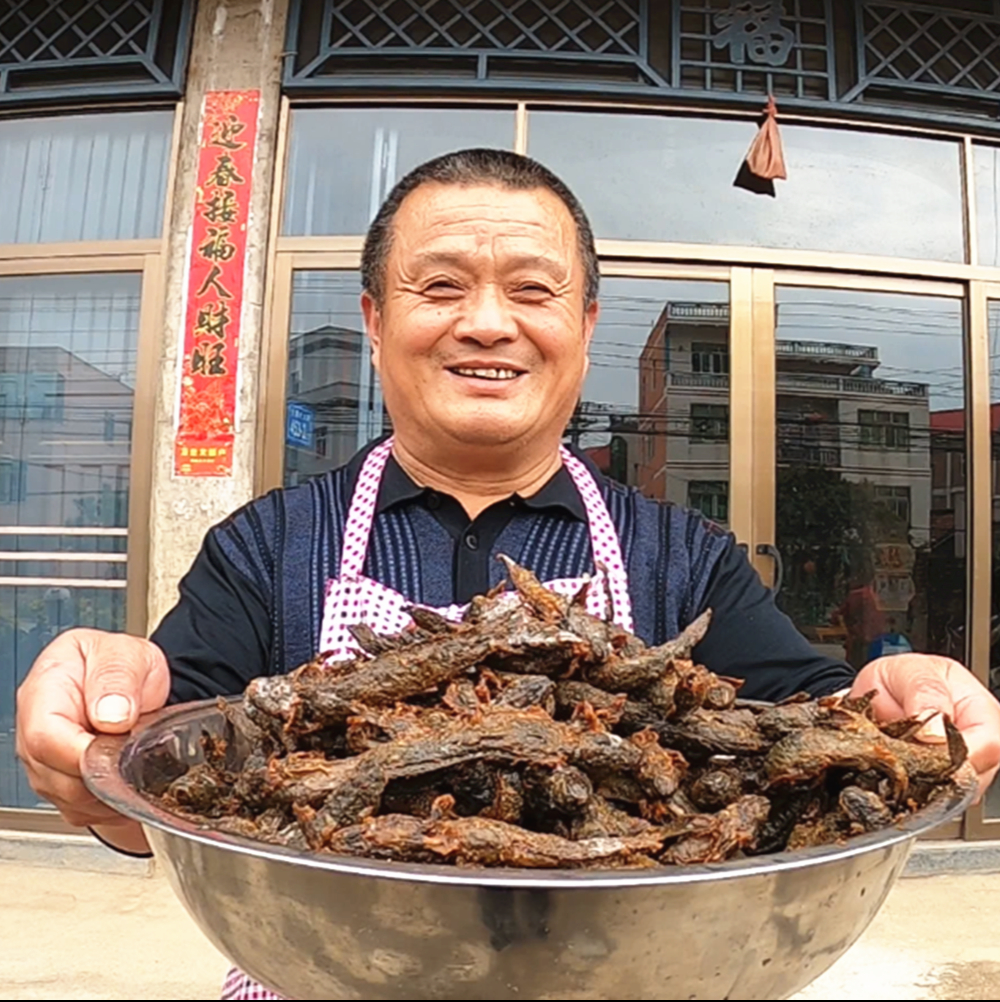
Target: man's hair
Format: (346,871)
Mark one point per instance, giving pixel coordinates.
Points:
(474,167)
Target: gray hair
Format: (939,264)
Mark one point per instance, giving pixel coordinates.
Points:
(473,167)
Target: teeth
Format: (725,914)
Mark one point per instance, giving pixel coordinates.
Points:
(488,373)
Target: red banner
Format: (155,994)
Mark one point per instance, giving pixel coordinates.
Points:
(207,409)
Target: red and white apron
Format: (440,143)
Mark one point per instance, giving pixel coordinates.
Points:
(352,598)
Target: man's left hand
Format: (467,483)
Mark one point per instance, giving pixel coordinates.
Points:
(917,685)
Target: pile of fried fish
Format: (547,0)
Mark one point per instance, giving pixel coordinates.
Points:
(532,734)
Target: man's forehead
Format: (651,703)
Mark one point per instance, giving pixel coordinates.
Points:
(481,208)
(450,225)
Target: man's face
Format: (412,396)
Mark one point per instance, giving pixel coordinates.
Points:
(482,337)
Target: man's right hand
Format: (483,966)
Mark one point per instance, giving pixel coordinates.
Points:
(84,683)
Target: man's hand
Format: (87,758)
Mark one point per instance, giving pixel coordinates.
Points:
(915,685)
(83,683)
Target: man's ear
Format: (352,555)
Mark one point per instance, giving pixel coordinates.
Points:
(373,325)
(590,315)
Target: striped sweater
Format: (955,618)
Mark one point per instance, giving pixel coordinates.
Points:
(252,603)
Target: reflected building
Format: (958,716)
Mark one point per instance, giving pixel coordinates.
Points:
(65,439)
(609,436)
(948,478)
(65,447)
(329,375)
(684,408)
(834,412)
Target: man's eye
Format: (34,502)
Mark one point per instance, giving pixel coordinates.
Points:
(533,290)
(443,286)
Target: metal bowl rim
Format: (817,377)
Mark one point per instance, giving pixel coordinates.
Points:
(103,776)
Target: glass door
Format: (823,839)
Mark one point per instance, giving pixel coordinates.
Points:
(655,410)
(71,393)
(865,537)
(869,468)
(982,485)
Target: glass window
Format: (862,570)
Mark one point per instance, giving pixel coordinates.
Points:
(649,177)
(30,617)
(710,358)
(711,498)
(986,162)
(884,429)
(896,500)
(870,413)
(334,403)
(709,422)
(84,177)
(343,162)
(67,380)
(992,803)
(637,416)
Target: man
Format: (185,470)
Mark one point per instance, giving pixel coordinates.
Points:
(480,299)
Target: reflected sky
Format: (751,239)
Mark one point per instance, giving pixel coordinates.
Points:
(343,162)
(919,338)
(652,177)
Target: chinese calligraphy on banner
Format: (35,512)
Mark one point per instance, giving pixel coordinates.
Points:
(207,411)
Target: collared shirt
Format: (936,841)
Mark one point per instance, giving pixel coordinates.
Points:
(475,538)
(252,602)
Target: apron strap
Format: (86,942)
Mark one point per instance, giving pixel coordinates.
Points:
(361,514)
(603,538)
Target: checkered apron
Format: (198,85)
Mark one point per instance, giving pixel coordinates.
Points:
(351,598)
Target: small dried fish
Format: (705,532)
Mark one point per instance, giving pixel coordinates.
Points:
(533,734)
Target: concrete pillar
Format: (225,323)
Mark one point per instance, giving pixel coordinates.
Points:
(237,45)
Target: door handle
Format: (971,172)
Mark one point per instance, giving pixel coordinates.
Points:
(767,550)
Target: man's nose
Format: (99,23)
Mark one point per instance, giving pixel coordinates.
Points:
(487,318)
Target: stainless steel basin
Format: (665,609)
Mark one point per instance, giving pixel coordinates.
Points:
(319,927)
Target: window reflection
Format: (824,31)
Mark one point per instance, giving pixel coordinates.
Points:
(84,177)
(334,403)
(67,382)
(655,407)
(343,162)
(992,804)
(650,177)
(871,433)
(986,160)
(31,617)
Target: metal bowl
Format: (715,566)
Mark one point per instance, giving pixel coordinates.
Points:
(324,927)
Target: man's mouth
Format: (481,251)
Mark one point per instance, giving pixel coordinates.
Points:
(494,374)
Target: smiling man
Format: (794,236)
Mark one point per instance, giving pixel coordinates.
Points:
(480,299)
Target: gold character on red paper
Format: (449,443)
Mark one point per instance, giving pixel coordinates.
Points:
(213,321)
(218,246)
(212,282)
(225,174)
(225,132)
(222,207)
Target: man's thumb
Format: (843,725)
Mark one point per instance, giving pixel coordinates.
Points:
(125,676)
(926,697)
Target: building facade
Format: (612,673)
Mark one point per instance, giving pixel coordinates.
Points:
(810,363)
